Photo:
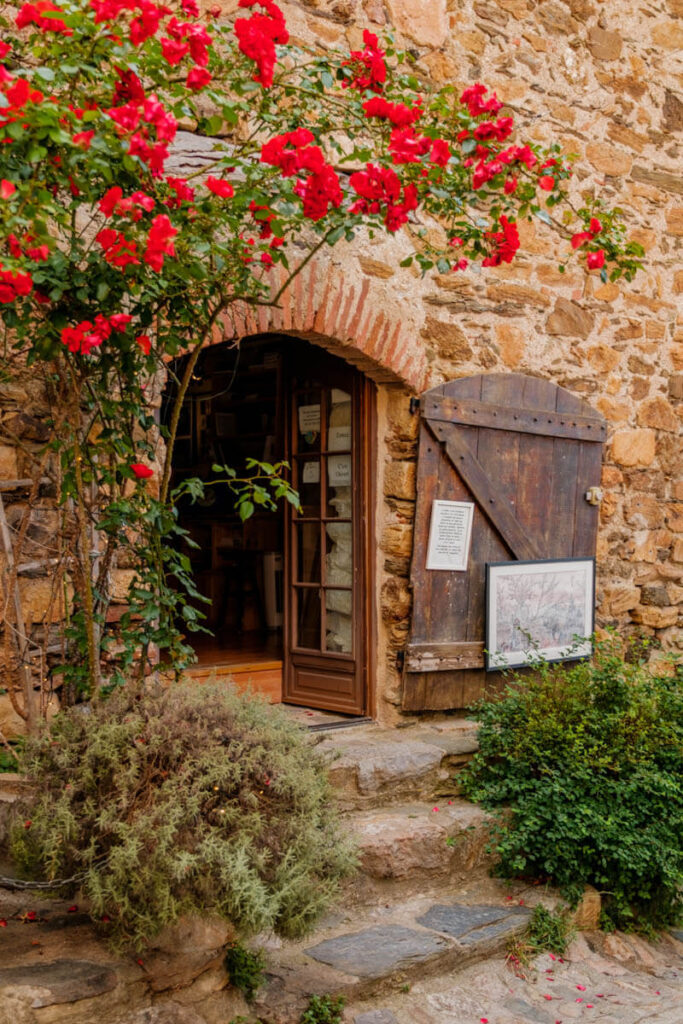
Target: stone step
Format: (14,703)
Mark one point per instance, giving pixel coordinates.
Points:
(360,956)
(405,844)
(370,766)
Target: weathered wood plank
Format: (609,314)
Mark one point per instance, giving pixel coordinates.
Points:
(496,508)
(587,516)
(443,656)
(524,421)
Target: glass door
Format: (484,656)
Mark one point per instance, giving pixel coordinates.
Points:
(324,558)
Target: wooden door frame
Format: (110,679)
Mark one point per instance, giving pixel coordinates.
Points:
(364,584)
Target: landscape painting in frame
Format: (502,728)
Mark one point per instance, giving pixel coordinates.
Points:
(542,610)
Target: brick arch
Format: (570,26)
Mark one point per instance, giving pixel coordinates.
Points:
(350,320)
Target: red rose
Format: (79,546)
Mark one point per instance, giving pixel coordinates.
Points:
(220,187)
(197,78)
(595,260)
(141,471)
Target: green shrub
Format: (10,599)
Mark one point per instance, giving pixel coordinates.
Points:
(323,1010)
(585,766)
(548,931)
(246,969)
(195,799)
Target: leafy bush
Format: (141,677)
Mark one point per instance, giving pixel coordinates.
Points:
(246,969)
(585,766)
(323,1010)
(194,799)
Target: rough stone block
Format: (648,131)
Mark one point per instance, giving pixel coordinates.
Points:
(38,599)
(426,25)
(655,595)
(570,320)
(604,45)
(393,847)
(657,618)
(8,462)
(377,952)
(644,511)
(512,344)
(608,160)
(634,447)
(399,479)
(619,599)
(604,358)
(61,981)
(397,540)
(667,34)
(658,413)
(395,599)
(617,410)
(448,340)
(377,765)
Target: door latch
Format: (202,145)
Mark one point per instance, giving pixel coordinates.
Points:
(593,495)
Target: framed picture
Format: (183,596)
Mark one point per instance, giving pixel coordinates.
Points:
(539,611)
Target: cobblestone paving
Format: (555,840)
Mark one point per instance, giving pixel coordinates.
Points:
(603,979)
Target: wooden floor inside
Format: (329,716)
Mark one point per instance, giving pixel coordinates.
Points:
(254,661)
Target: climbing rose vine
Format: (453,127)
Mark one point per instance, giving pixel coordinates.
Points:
(113,260)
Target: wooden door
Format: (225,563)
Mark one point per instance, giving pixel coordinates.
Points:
(326,575)
(525,451)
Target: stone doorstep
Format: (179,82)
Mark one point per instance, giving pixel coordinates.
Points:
(405,842)
(419,939)
(370,765)
(60,981)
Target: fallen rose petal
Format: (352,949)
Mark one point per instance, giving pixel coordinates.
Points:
(72,910)
(581,988)
(547,997)
(3,922)
(589,1006)
(579,1000)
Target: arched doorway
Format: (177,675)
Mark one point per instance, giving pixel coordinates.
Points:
(290,591)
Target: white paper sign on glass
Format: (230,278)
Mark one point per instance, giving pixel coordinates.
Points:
(339,438)
(450,534)
(309,419)
(311,473)
(339,470)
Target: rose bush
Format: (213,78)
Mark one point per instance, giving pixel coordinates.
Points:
(110,264)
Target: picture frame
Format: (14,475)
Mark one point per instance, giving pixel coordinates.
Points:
(542,610)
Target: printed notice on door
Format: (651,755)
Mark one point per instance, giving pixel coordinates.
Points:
(450,534)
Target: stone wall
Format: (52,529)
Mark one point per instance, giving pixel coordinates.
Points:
(607,80)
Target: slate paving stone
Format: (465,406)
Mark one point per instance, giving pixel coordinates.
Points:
(376,1017)
(469,924)
(63,981)
(378,951)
